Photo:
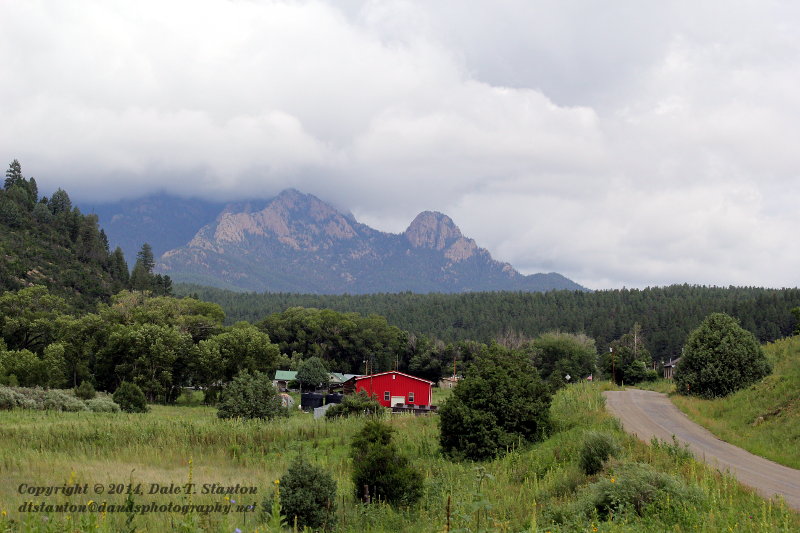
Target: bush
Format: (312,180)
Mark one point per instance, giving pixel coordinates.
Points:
(308,494)
(378,466)
(10,398)
(85,391)
(500,403)
(251,396)
(102,405)
(636,487)
(130,398)
(720,357)
(595,451)
(355,404)
(56,400)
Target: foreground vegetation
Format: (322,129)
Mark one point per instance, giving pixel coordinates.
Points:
(540,488)
(763,418)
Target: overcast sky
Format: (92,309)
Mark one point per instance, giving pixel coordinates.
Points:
(622,143)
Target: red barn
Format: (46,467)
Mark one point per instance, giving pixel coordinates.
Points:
(391,388)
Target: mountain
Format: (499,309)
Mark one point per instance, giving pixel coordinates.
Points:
(298,243)
(164,222)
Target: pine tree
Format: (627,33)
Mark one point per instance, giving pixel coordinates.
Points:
(13,175)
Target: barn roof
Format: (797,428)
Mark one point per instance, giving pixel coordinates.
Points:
(394,372)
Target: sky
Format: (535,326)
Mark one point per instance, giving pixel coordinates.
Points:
(621,144)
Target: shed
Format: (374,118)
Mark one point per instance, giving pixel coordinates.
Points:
(392,388)
(669,368)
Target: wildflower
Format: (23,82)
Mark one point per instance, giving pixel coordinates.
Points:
(277,481)
(613,480)
(233,501)
(237,530)
(90,502)
(4,513)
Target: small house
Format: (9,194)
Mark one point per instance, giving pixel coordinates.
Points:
(393,388)
(282,379)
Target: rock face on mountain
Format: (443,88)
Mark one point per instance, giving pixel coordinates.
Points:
(298,243)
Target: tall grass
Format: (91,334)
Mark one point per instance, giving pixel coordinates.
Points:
(522,491)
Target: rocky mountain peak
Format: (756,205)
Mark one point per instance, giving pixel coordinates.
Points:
(431,229)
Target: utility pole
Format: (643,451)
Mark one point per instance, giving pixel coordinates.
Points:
(613,370)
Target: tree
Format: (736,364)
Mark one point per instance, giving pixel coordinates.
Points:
(308,495)
(59,202)
(251,395)
(501,402)
(796,313)
(155,357)
(28,317)
(13,175)
(379,467)
(629,359)
(142,275)
(720,357)
(130,398)
(312,374)
(557,355)
(221,357)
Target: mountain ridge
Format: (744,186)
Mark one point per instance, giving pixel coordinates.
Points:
(296,242)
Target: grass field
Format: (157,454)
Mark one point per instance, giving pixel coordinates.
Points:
(535,489)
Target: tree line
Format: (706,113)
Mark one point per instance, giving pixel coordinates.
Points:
(666,314)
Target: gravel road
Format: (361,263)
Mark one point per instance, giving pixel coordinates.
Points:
(648,414)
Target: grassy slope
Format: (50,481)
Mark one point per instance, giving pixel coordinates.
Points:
(41,448)
(776,399)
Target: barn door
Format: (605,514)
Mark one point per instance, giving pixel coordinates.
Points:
(398,399)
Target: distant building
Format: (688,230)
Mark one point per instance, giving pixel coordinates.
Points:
(284,377)
(449,382)
(669,368)
(393,388)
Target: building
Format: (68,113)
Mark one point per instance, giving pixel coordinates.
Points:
(284,377)
(392,388)
(449,382)
(669,368)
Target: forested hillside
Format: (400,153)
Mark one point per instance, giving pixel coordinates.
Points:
(46,241)
(666,315)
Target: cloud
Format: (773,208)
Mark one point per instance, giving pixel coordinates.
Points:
(619,145)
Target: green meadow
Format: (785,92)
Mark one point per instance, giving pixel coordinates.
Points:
(535,489)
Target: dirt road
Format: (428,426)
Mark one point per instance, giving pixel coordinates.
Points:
(648,414)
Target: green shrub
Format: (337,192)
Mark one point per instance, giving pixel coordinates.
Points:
(595,451)
(720,357)
(639,488)
(10,398)
(85,391)
(251,396)
(308,495)
(378,466)
(56,400)
(102,405)
(355,404)
(130,398)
